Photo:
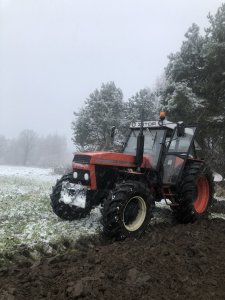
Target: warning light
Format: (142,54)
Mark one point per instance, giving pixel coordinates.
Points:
(162,115)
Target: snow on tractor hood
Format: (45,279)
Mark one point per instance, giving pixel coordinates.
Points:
(110,159)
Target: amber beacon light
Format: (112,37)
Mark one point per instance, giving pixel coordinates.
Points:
(162,115)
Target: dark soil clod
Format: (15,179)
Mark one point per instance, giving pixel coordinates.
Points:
(168,262)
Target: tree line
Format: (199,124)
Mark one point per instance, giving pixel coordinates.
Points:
(192,89)
(30,149)
(105,109)
(195,86)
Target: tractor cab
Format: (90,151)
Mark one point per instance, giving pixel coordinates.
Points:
(167,145)
(155,138)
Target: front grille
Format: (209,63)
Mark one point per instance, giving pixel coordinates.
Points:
(82,159)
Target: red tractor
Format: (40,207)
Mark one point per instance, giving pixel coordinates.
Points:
(159,161)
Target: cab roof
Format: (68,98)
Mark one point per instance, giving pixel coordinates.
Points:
(153,124)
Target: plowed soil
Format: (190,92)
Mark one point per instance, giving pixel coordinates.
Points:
(170,261)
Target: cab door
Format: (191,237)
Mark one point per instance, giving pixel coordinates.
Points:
(177,153)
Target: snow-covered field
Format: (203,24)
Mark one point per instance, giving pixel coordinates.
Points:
(26,217)
(28,223)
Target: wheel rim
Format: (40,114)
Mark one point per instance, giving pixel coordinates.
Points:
(134,213)
(202,199)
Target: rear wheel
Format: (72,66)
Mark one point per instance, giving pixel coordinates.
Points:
(195,193)
(203,191)
(127,210)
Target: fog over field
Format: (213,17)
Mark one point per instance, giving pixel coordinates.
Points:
(53,54)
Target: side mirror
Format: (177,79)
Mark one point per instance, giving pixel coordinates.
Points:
(112,134)
(180,129)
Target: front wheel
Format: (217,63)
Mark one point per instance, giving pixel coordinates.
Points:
(195,193)
(68,201)
(127,210)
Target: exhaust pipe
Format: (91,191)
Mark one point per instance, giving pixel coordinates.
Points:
(140,143)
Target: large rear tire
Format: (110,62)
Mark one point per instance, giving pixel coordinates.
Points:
(127,211)
(195,193)
(68,211)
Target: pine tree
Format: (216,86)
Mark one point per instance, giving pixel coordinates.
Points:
(184,74)
(145,100)
(93,123)
(195,85)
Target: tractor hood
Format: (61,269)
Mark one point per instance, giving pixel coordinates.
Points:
(110,159)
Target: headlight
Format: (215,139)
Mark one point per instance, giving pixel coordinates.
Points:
(75,175)
(86,176)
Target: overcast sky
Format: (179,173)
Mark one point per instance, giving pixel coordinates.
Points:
(54,53)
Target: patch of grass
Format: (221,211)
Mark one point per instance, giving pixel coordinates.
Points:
(27,221)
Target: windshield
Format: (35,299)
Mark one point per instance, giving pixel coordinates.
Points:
(152,146)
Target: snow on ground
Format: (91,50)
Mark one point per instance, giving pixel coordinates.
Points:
(26,172)
(217,216)
(217,177)
(27,220)
(26,217)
